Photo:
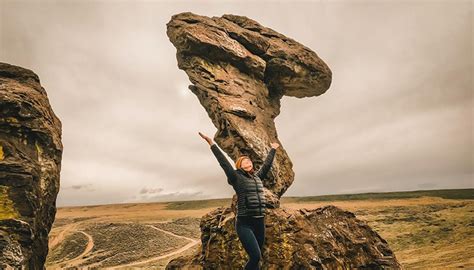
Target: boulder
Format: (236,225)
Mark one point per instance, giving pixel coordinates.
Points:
(322,238)
(30,163)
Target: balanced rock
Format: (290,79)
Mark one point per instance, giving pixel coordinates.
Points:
(239,71)
(30,163)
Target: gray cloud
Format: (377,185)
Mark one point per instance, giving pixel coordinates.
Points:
(398,115)
(146,190)
(87,187)
(158,195)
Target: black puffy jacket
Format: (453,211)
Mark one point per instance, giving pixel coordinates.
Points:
(249,187)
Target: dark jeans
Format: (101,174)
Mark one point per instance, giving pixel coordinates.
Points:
(251,232)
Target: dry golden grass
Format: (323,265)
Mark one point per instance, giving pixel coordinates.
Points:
(424,232)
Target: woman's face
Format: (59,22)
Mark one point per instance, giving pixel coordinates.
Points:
(246,164)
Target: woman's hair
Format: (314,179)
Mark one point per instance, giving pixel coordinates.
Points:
(238,162)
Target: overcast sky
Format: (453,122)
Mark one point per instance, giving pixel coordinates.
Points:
(398,115)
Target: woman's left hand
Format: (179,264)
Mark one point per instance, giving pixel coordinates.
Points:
(275,145)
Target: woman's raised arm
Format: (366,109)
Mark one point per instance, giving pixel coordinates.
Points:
(267,164)
(223,162)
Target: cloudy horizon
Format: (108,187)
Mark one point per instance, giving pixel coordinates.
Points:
(398,115)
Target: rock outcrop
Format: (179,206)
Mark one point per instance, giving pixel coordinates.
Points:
(323,238)
(239,71)
(30,163)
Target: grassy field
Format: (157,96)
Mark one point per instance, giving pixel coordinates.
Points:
(457,194)
(427,229)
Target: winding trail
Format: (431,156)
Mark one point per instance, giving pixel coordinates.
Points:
(74,261)
(191,244)
(60,237)
(90,245)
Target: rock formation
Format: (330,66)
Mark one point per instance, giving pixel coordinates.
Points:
(239,71)
(30,163)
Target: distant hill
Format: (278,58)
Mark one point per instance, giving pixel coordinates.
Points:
(456,194)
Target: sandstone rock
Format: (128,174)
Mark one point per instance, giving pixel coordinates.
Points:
(239,71)
(30,162)
(323,238)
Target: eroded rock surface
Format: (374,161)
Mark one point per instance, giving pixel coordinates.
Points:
(30,163)
(323,238)
(239,71)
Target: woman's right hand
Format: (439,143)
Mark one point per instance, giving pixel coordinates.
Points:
(208,140)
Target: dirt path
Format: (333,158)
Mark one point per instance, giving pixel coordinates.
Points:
(60,237)
(74,261)
(172,234)
(70,228)
(191,244)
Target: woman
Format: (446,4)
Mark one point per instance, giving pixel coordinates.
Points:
(247,183)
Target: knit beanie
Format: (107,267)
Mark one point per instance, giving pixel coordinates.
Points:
(238,162)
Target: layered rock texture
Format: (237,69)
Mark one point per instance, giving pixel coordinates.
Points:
(239,71)
(30,163)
